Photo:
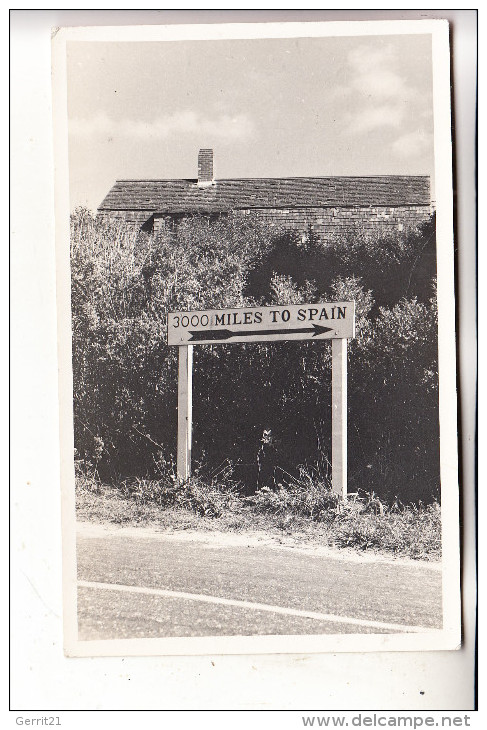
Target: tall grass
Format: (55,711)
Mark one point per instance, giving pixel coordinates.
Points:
(304,507)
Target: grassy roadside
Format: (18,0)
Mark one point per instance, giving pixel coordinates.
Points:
(305,512)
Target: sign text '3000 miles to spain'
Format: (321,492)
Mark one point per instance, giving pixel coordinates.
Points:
(323,320)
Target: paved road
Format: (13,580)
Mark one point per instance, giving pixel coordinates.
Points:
(135,584)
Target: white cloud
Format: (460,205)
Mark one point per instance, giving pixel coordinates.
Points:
(375,117)
(367,58)
(381,94)
(415,144)
(224,127)
(381,84)
(373,73)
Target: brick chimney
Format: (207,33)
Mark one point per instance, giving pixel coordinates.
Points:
(205,167)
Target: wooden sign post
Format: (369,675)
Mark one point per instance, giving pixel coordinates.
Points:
(185,410)
(339,417)
(322,321)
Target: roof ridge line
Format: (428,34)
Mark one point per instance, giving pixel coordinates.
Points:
(295,177)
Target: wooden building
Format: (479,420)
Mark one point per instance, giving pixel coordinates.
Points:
(317,206)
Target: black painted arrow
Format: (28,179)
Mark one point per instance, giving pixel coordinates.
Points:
(316,329)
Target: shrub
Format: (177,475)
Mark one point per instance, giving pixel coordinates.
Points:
(393,264)
(124,282)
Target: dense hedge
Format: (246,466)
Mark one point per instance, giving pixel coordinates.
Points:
(265,407)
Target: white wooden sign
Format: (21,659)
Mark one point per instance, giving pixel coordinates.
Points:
(262,324)
(323,321)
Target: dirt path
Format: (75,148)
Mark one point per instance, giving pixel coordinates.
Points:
(250,539)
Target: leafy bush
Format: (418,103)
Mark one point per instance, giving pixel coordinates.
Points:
(124,282)
(393,264)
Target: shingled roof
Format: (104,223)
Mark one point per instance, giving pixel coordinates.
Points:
(187,196)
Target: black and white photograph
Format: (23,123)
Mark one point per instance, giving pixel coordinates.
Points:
(255,246)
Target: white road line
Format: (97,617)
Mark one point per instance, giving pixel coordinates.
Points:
(255,606)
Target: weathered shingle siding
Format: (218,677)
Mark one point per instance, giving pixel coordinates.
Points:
(137,217)
(324,223)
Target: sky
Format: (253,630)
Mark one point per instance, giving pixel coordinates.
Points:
(294,107)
